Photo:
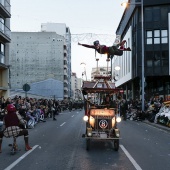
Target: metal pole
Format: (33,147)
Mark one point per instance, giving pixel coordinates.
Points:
(97,70)
(143,60)
(107,64)
(85,73)
(111,67)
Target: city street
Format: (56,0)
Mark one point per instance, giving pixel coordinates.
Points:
(58,145)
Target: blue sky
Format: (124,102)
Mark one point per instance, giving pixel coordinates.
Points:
(98,18)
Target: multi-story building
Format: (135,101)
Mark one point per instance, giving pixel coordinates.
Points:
(76,84)
(62,29)
(73,86)
(156,29)
(36,57)
(104,71)
(5,39)
(79,85)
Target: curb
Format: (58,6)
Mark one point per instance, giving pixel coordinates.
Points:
(157,126)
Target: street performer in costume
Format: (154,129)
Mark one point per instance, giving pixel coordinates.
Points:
(110,51)
(12,122)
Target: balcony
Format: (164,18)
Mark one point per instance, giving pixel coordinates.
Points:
(65,88)
(3,66)
(65,58)
(65,66)
(66,81)
(5,33)
(65,73)
(65,95)
(5,9)
(2,59)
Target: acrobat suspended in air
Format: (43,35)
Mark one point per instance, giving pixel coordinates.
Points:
(110,51)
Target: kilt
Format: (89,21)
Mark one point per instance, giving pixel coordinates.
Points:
(12,131)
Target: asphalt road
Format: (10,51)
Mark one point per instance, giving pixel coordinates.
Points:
(58,145)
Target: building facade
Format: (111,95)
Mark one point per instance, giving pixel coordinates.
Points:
(156,29)
(36,57)
(62,29)
(74,86)
(104,71)
(5,38)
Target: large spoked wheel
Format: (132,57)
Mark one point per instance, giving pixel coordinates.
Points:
(116,144)
(87,144)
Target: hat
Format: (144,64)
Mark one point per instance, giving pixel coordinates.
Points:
(11,108)
(96,43)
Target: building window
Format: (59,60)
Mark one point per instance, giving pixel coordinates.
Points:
(165,58)
(156,37)
(164,36)
(149,58)
(148,14)
(2,47)
(157,57)
(156,13)
(149,37)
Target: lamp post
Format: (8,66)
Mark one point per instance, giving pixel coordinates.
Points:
(107,60)
(84,67)
(117,68)
(97,69)
(142,46)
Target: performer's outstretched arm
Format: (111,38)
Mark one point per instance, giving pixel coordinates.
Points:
(86,45)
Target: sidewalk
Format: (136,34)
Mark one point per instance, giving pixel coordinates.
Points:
(157,125)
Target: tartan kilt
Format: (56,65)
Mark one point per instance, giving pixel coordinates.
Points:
(12,131)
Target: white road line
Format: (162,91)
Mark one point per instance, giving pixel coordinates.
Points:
(72,116)
(130,158)
(62,124)
(20,158)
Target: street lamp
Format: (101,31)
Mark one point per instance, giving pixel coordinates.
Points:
(125,4)
(117,68)
(97,69)
(83,65)
(107,60)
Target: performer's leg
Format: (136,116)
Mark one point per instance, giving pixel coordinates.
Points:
(122,43)
(112,50)
(25,133)
(119,52)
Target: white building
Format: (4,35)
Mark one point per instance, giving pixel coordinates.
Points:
(76,84)
(104,71)
(62,29)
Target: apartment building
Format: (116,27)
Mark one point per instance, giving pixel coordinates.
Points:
(62,29)
(36,57)
(5,15)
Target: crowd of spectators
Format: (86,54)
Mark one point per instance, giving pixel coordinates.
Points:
(26,106)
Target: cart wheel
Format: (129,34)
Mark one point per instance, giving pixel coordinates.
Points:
(116,144)
(87,144)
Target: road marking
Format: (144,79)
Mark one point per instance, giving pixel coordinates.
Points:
(72,116)
(20,158)
(62,124)
(130,158)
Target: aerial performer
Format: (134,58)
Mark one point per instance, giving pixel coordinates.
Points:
(116,49)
